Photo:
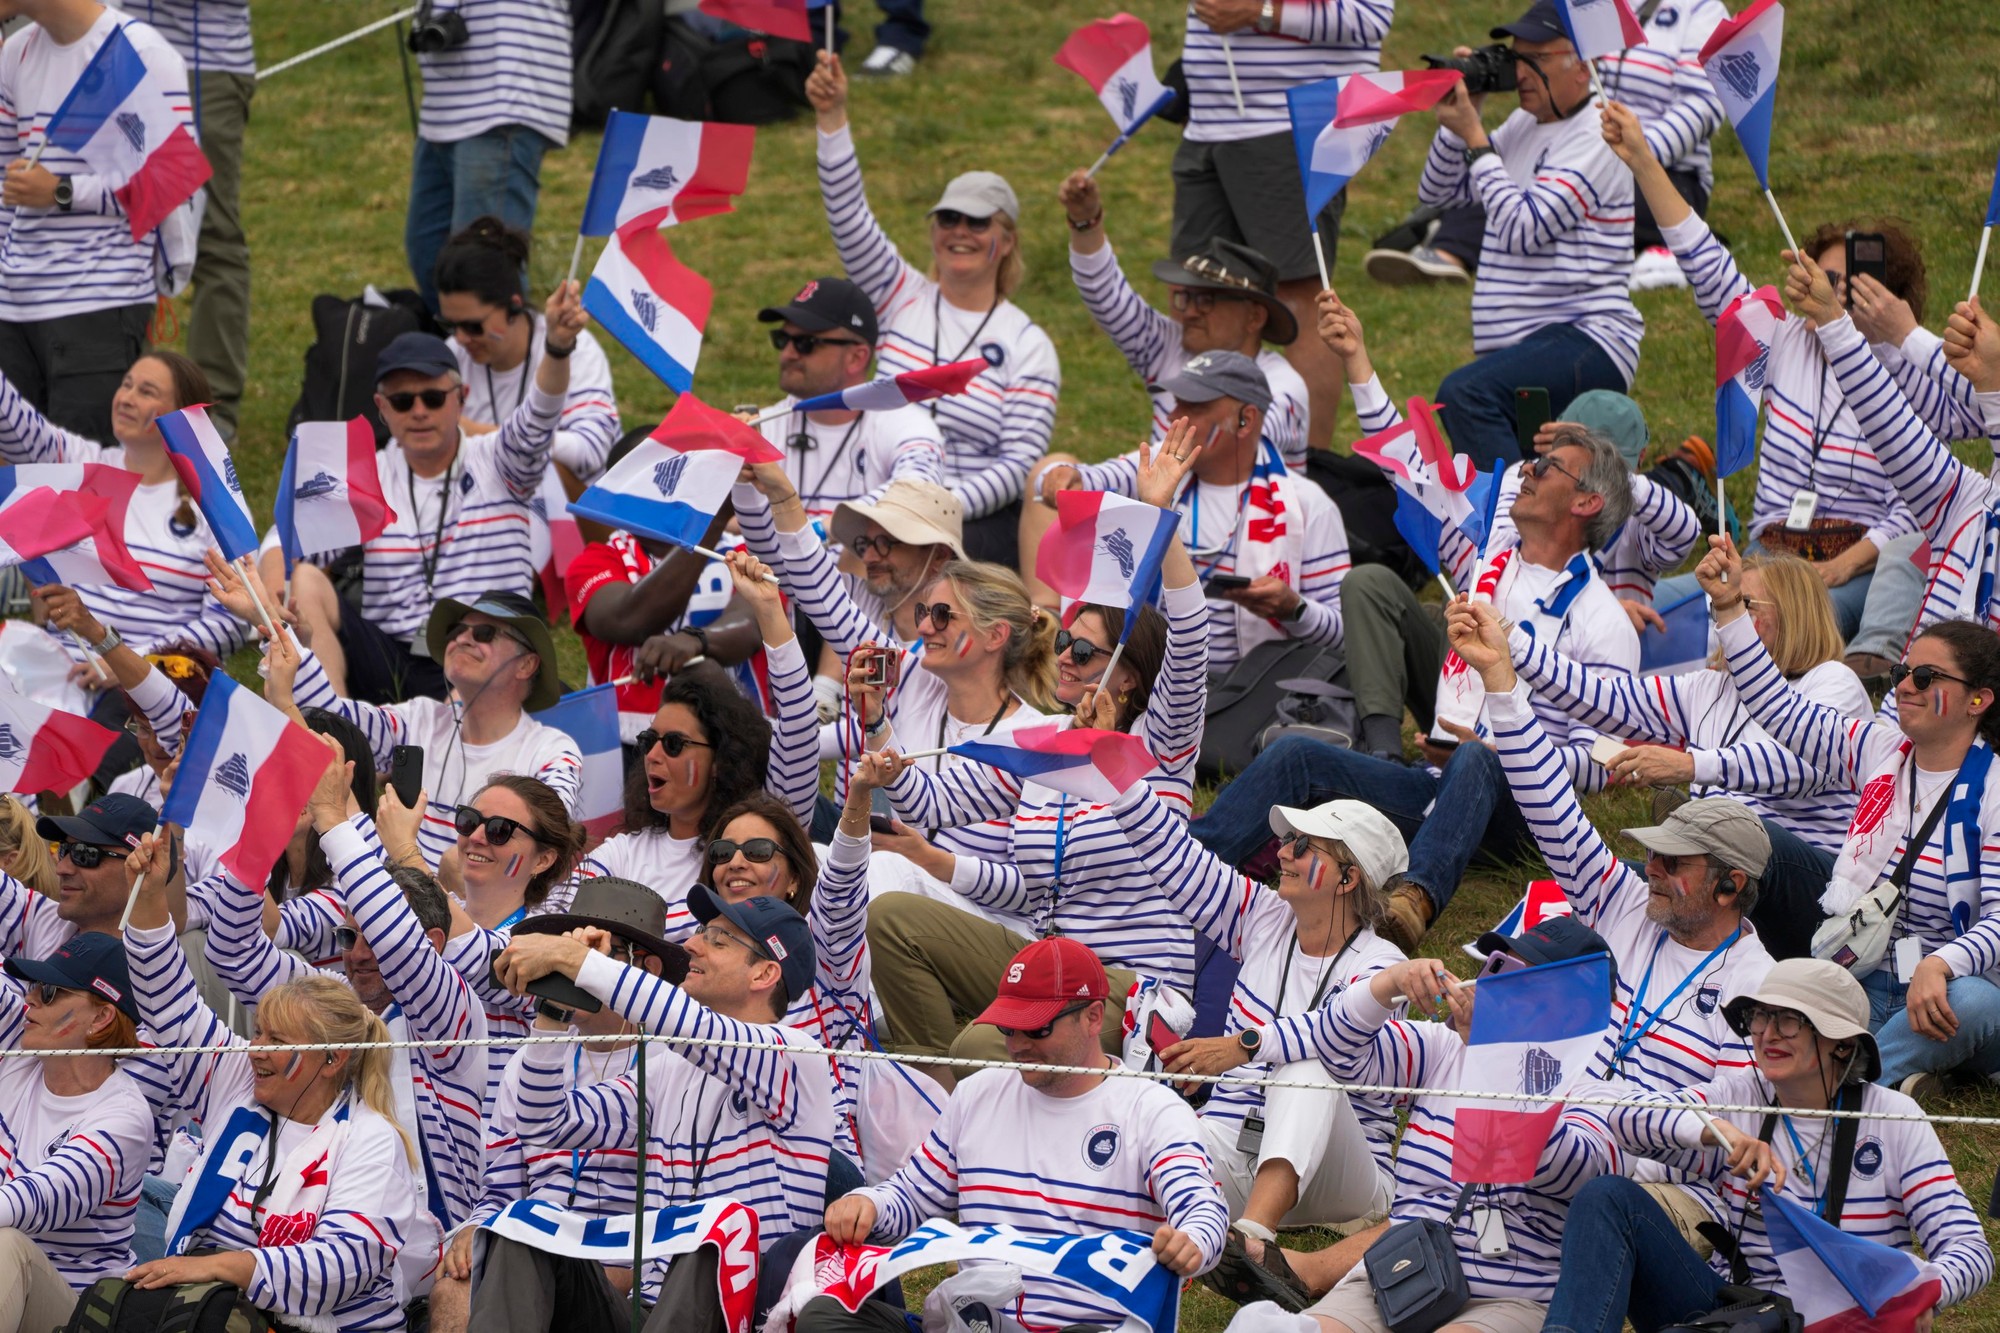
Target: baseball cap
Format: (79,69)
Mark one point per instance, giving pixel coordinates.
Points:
(918,513)
(1229,266)
(1616,417)
(632,912)
(1712,826)
(112,820)
(425,353)
(1044,979)
(979,194)
(1829,997)
(1555,940)
(1540,24)
(825,304)
(779,931)
(92,961)
(1377,846)
(1213,375)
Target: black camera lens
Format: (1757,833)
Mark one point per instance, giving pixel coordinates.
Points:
(430,33)
(1489,69)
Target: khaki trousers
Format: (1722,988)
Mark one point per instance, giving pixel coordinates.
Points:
(34,1296)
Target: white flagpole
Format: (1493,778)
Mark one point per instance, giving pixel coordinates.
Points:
(131,901)
(1319,253)
(772,415)
(927,754)
(828,11)
(1229,63)
(250,581)
(1979,264)
(717,555)
(1721,514)
(1783,226)
(1450,593)
(97,663)
(576,255)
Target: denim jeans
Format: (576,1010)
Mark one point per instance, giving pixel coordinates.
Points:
(1975,1047)
(149,1219)
(498,172)
(1788,893)
(1623,1258)
(1476,811)
(1478,397)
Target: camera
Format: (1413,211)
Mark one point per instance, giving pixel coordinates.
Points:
(431,32)
(1489,69)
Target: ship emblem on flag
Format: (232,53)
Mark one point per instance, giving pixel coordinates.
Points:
(1128,97)
(134,129)
(660,178)
(646,308)
(1119,546)
(1739,70)
(1541,1071)
(10,745)
(667,475)
(234,776)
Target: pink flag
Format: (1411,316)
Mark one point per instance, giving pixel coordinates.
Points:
(1115,57)
(1415,455)
(1368,98)
(894,391)
(103,494)
(692,424)
(778,18)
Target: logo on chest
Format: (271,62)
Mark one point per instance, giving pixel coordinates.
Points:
(1100,1147)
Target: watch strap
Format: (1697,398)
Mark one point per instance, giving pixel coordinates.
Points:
(110,640)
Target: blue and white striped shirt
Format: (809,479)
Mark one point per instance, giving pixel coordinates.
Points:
(1316,39)
(1663,82)
(514,69)
(211,36)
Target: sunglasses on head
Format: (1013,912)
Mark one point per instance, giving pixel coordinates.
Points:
(805,344)
(484,633)
(1041,1033)
(938,613)
(758,851)
(951,217)
(1081,650)
(1922,677)
(87,855)
(499,828)
(1538,467)
(673,742)
(430,398)
(883,546)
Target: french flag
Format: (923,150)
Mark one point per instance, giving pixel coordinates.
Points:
(1106,550)
(1845,1284)
(651,302)
(663,492)
(1433,485)
(1090,765)
(1339,124)
(1600,27)
(1741,61)
(692,424)
(1684,647)
(894,391)
(46,749)
(206,469)
(1743,337)
(1993,200)
(120,119)
(1534,1030)
(590,718)
(658,171)
(102,494)
(774,18)
(1544,899)
(38,520)
(1370,99)
(1115,57)
(245,775)
(329,493)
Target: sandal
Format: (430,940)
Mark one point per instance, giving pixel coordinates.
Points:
(1239,1278)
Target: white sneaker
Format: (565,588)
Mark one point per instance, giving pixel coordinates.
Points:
(886,62)
(1413,268)
(1923,1087)
(1656,268)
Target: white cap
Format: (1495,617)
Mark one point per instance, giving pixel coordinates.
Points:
(1377,846)
(979,194)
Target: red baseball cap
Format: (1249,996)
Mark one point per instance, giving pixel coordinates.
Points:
(1044,979)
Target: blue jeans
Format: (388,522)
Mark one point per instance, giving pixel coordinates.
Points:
(1788,892)
(1623,1258)
(1478,397)
(498,172)
(1476,810)
(149,1219)
(1975,1048)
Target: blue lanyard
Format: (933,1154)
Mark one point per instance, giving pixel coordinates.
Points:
(1194,517)
(514,918)
(1055,887)
(1627,1038)
(1805,1165)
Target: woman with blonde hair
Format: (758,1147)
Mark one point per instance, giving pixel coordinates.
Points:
(23,854)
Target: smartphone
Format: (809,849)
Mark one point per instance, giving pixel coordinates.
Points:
(555,988)
(406,773)
(1531,413)
(1159,1035)
(881,824)
(1224,583)
(1867,252)
(1500,961)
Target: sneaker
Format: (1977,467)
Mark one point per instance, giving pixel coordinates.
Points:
(1406,916)
(1656,268)
(1420,267)
(1922,1087)
(886,62)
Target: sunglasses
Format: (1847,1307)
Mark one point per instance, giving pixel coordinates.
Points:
(1922,677)
(1779,1022)
(939,614)
(948,218)
(1041,1033)
(48,992)
(476,328)
(499,828)
(713,934)
(1538,467)
(430,398)
(758,851)
(673,742)
(1201,302)
(345,938)
(87,855)
(1081,650)
(1672,863)
(484,633)
(805,344)
(883,546)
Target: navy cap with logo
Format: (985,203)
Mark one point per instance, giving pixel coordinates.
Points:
(782,935)
(826,304)
(424,353)
(1540,24)
(1553,941)
(92,962)
(112,820)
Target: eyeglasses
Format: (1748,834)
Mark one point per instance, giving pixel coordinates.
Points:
(884,546)
(1672,864)
(713,934)
(1779,1022)
(476,328)
(673,742)
(758,851)
(431,398)
(1538,467)
(805,344)
(948,218)
(86,855)
(486,633)
(1041,1033)
(345,938)
(499,828)
(1081,650)
(1201,302)
(938,613)
(1922,677)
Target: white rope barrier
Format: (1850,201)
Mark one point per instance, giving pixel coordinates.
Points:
(336,43)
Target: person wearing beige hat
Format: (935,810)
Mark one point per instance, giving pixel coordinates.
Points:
(901,539)
(1888,1180)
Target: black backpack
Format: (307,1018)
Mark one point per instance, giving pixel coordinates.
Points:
(618,47)
(348,334)
(1367,503)
(114,1305)
(757,80)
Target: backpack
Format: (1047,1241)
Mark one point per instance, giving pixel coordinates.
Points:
(1244,704)
(756,80)
(618,45)
(1367,503)
(114,1305)
(348,334)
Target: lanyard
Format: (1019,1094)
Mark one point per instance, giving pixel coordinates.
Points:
(1325,976)
(429,560)
(520,390)
(937,329)
(514,918)
(1627,1037)
(803,440)
(1805,1165)
(1055,887)
(1194,518)
(577,1155)
(944,719)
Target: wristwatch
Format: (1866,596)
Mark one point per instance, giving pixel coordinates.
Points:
(1250,1039)
(1267,18)
(65,194)
(1295,615)
(1474,154)
(108,642)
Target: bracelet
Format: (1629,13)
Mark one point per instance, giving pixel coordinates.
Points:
(699,635)
(1090,225)
(559,353)
(877,727)
(1717,608)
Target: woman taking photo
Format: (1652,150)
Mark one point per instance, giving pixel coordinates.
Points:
(999,429)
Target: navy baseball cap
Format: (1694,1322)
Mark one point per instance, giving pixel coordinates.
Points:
(424,353)
(112,820)
(1540,24)
(1556,940)
(92,961)
(826,304)
(782,935)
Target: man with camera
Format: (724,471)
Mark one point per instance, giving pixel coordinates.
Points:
(496,95)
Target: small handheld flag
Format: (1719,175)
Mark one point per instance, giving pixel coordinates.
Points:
(691,424)
(1370,99)
(1088,764)
(1840,1281)
(662,492)
(651,302)
(1986,232)
(1106,550)
(329,493)
(1744,333)
(775,18)
(590,718)
(246,773)
(1115,57)
(1544,898)
(103,493)
(1339,124)
(1600,27)
(37,520)
(46,749)
(890,392)
(660,171)
(1741,61)
(1684,646)
(201,458)
(119,118)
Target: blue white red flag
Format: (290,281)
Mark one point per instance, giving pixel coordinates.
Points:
(1545,898)
(46,749)
(692,424)
(1339,124)
(661,492)
(119,118)
(1370,99)
(1684,646)
(1433,485)
(1115,57)
(1106,550)
(245,775)
(1600,27)
(1743,336)
(894,391)
(590,718)
(36,520)
(103,493)
(329,493)
(651,302)
(1841,1283)
(1090,765)
(206,469)
(1993,200)
(1741,60)
(1534,1030)
(658,171)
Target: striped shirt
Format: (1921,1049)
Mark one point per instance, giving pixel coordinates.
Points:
(999,427)
(1558,239)
(1316,39)
(1943,398)
(858,460)
(1664,83)
(588,425)
(55,263)
(514,69)
(1126,1155)
(1901,1192)
(1811,441)
(1151,344)
(1699,711)
(211,36)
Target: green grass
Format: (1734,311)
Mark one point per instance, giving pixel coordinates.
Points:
(1886,109)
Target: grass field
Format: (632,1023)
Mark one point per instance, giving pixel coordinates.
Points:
(1886,108)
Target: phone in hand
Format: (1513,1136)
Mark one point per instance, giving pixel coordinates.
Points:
(1216,583)
(1531,413)
(1159,1035)
(881,824)
(1867,252)
(1501,961)
(406,774)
